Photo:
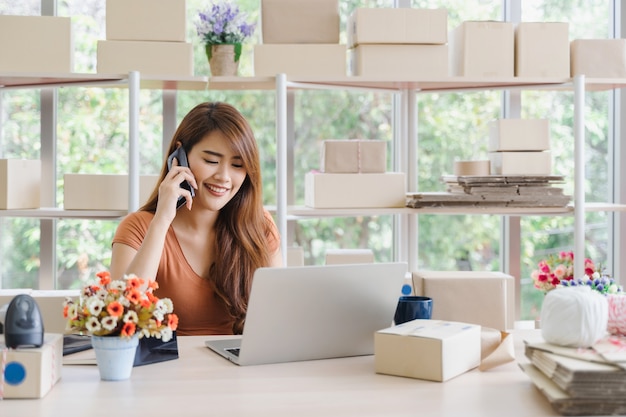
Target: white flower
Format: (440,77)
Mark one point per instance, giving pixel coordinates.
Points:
(131,316)
(95,305)
(109,322)
(92,324)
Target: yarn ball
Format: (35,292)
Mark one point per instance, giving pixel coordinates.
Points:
(574,316)
(617,314)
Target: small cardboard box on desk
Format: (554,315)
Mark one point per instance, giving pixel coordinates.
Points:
(31,372)
(480,297)
(434,350)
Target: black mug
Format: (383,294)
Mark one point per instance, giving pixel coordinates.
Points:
(412,307)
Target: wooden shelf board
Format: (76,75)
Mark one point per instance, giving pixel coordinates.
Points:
(59,213)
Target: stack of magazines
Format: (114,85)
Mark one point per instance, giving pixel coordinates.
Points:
(580,381)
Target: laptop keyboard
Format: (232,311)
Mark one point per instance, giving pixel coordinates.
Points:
(234,351)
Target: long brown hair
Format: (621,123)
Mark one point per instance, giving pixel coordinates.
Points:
(241,228)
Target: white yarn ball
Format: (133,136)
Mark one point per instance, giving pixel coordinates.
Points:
(574,316)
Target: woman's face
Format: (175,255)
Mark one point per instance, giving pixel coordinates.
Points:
(218,171)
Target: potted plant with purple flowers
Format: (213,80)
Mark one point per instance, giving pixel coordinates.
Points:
(223,27)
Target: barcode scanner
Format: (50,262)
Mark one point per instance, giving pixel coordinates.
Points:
(23,325)
(181,157)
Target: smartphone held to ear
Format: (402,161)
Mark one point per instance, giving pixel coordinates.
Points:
(181,157)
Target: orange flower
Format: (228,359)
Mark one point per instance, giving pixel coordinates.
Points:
(172,321)
(134,282)
(115,309)
(134,296)
(153,285)
(105,277)
(128,329)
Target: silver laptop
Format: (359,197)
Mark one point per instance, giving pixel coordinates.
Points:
(315,312)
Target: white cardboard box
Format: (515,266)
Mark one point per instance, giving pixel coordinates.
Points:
(479,297)
(353,156)
(36,44)
(20,184)
(434,350)
(542,49)
(598,58)
(146,20)
(521,163)
(482,49)
(300,60)
(349,256)
(399,61)
(147,57)
(102,191)
(295,256)
(519,135)
(323,190)
(31,372)
(300,21)
(397,26)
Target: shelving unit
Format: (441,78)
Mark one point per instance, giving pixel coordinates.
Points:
(406,90)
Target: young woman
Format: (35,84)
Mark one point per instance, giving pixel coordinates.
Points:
(203,255)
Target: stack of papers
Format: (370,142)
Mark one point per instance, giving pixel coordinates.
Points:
(494,191)
(580,381)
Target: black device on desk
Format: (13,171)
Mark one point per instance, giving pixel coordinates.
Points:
(23,325)
(181,157)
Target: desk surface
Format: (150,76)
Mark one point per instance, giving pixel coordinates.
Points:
(201,383)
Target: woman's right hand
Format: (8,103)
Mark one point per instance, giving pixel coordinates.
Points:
(170,190)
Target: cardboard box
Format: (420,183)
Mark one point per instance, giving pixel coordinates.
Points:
(146,20)
(399,61)
(542,49)
(353,156)
(355,190)
(295,256)
(427,349)
(598,58)
(300,21)
(482,49)
(311,60)
(349,256)
(521,163)
(147,57)
(103,191)
(519,135)
(50,305)
(31,372)
(20,184)
(397,26)
(479,297)
(36,44)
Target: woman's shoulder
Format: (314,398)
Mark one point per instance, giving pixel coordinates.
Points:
(140,217)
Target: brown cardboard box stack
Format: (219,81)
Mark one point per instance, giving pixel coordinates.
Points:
(598,58)
(479,297)
(520,147)
(542,49)
(414,40)
(36,44)
(20,184)
(300,38)
(102,191)
(353,174)
(146,36)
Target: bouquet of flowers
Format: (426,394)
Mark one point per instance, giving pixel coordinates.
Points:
(121,308)
(223,23)
(558,271)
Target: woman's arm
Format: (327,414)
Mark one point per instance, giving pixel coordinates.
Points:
(144,262)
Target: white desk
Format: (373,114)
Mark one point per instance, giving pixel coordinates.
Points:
(201,383)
